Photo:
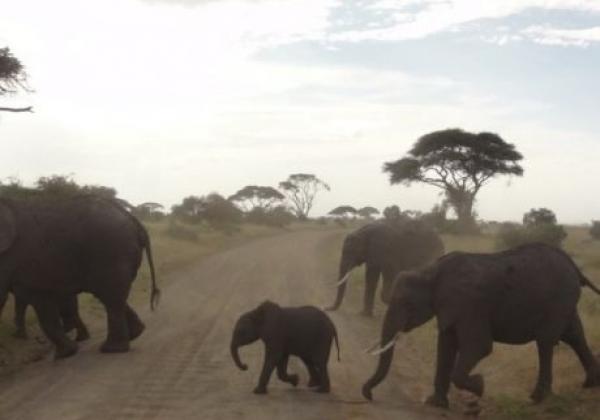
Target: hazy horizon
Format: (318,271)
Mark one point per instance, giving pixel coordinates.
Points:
(164,99)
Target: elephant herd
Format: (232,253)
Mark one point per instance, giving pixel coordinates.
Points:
(53,249)
(526,294)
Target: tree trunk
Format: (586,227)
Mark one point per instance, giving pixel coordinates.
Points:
(462,202)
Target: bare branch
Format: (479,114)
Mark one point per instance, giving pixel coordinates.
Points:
(10,109)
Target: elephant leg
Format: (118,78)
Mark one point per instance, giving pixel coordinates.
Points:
(20,311)
(67,309)
(474,343)
(323,376)
(574,336)
(312,372)
(271,360)
(82,331)
(117,340)
(48,315)
(544,382)
(371,277)
(389,276)
(69,313)
(282,372)
(135,325)
(446,358)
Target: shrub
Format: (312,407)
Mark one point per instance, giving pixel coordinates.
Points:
(179,232)
(595,229)
(213,209)
(278,216)
(511,235)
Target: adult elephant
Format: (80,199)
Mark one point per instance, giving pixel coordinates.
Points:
(526,294)
(386,248)
(53,248)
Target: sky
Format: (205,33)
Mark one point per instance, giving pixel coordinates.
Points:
(162,99)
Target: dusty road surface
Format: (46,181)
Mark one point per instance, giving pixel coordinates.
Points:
(181,368)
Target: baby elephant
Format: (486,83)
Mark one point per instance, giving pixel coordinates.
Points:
(305,332)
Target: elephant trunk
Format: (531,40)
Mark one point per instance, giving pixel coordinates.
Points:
(343,276)
(236,356)
(390,330)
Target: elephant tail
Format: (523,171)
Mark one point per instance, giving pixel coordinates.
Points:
(155,292)
(586,282)
(337,343)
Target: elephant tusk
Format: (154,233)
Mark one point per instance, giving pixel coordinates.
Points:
(390,344)
(343,280)
(373,347)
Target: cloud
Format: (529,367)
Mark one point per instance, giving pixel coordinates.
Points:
(563,37)
(420,18)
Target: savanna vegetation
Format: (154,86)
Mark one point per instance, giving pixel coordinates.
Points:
(457,162)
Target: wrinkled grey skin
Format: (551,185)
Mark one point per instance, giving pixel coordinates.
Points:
(53,249)
(526,294)
(386,248)
(305,332)
(69,315)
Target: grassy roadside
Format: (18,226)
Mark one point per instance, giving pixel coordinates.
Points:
(510,372)
(170,255)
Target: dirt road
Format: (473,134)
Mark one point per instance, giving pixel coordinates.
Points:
(181,368)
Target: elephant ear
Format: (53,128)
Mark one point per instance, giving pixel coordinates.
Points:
(266,316)
(8,228)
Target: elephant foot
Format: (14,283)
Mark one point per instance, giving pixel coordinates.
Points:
(260,390)
(293,380)
(539,394)
(313,383)
(69,348)
(136,329)
(68,327)
(82,335)
(440,401)
(367,313)
(476,385)
(20,334)
(115,347)
(323,389)
(592,379)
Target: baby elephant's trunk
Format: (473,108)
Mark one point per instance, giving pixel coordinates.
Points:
(236,357)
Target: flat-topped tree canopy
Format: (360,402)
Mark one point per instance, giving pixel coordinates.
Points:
(256,196)
(459,162)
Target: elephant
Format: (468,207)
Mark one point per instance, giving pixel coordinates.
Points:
(528,293)
(386,248)
(305,332)
(69,314)
(51,249)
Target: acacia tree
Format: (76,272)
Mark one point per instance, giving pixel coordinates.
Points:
(301,190)
(12,78)
(343,211)
(458,162)
(367,212)
(256,197)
